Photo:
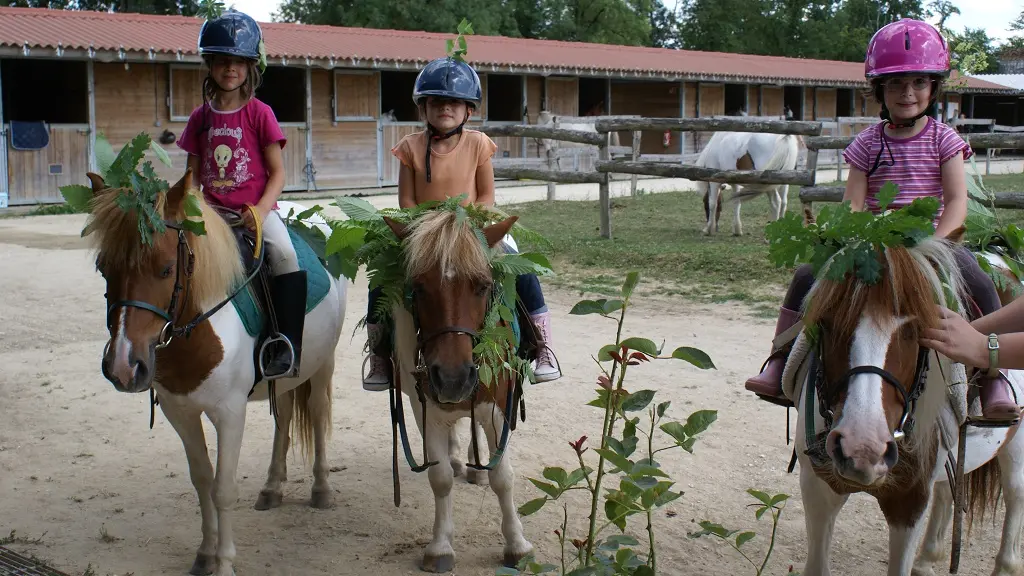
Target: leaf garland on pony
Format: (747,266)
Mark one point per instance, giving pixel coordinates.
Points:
(137,188)
(366,240)
(987,233)
(845,242)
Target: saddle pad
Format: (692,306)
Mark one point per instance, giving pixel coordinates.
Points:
(29,135)
(318,284)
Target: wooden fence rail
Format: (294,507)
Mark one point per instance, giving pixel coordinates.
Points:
(666,170)
(811,194)
(736,124)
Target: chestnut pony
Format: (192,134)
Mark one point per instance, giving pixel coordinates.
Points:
(152,291)
(451,279)
(870,402)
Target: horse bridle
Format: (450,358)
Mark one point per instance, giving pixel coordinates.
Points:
(827,394)
(184,269)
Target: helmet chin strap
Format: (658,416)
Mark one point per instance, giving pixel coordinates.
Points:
(887,119)
(435,134)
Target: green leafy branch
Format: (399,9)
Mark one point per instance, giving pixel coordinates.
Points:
(364,239)
(845,242)
(986,232)
(210,9)
(138,188)
(766,503)
(643,486)
(459,53)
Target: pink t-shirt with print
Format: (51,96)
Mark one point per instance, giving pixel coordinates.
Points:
(230,149)
(915,165)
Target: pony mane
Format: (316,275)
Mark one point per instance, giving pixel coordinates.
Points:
(439,241)
(911,286)
(116,239)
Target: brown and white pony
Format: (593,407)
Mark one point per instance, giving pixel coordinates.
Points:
(451,278)
(870,402)
(156,292)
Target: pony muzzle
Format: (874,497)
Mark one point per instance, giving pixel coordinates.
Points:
(124,369)
(861,459)
(453,384)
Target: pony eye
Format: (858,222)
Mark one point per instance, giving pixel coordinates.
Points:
(483,288)
(166,271)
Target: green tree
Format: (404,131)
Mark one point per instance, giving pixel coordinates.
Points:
(183,7)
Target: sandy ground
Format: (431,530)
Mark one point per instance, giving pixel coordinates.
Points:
(77,459)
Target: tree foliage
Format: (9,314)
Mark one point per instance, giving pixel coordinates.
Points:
(163,7)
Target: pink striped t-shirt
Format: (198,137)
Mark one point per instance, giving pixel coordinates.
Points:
(915,165)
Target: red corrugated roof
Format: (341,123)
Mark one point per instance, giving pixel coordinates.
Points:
(78,30)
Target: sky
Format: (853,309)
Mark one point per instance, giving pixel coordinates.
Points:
(992,15)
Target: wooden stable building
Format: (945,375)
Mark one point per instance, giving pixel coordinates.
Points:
(343,95)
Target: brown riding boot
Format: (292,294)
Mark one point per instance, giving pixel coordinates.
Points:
(769,381)
(997,401)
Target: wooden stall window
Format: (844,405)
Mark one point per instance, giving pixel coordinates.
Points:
(284,90)
(53,91)
(356,95)
(186,89)
(396,96)
(735,99)
(504,98)
(592,95)
(793,99)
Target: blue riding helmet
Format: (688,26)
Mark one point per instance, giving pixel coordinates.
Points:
(448,78)
(233,33)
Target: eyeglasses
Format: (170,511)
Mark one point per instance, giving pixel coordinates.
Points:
(899,84)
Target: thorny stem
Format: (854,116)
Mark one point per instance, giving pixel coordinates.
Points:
(650,524)
(776,512)
(586,476)
(609,412)
(561,537)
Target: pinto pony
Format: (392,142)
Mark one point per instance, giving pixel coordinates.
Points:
(451,279)
(746,151)
(878,414)
(153,294)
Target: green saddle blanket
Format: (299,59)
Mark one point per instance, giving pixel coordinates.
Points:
(318,283)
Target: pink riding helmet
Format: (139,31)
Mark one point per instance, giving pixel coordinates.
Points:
(907,47)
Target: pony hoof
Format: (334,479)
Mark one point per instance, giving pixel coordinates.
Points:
(322,500)
(438,564)
(477,477)
(268,500)
(204,564)
(511,558)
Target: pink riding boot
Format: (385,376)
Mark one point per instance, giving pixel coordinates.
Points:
(769,381)
(997,401)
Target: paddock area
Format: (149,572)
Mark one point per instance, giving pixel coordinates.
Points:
(88,486)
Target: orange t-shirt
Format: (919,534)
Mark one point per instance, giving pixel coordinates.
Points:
(452,173)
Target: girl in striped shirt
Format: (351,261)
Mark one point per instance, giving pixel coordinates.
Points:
(906,63)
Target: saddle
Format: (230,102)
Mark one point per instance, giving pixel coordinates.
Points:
(252,249)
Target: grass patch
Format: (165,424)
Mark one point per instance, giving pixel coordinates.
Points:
(660,235)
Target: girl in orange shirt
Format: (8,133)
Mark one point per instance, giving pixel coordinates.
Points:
(447,160)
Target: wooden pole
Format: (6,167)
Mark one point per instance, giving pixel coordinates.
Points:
(812,167)
(604,194)
(592,138)
(636,156)
(689,172)
(551,166)
(730,124)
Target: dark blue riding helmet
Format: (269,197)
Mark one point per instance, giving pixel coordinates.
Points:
(448,78)
(233,33)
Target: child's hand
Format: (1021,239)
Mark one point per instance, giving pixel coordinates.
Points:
(956,339)
(262,210)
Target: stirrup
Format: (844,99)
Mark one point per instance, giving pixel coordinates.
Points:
(388,385)
(287,373)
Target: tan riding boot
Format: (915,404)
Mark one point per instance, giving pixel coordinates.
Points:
(377,379)
(769,381)
(547,366)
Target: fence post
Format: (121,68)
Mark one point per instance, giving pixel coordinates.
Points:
(636,156)
(603,192)
(988,151)
(551,166)
(812,167)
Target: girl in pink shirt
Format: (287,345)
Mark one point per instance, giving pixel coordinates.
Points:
(906,63)
(234,146)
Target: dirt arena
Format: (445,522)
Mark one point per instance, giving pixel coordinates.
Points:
(79,463)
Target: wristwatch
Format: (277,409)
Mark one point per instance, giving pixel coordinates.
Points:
(993,355)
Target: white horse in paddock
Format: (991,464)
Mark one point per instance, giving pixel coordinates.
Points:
(174,330)
(878,414)
(746,151)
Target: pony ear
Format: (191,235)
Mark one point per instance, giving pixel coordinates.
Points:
(495,232)
(957,236)
(400,230)
(176,194)
(98,185)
